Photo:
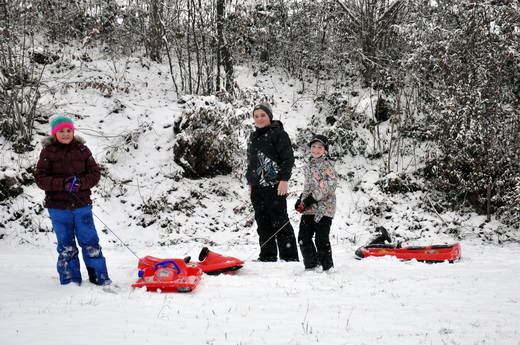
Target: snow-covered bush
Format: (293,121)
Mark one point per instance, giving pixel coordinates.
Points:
(125,142)
(464,66)
(10,186)
(339,122)
(398,183)
(510,215)
(16,180)
(210,136)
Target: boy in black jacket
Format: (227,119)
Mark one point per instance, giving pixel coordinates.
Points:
(270,161)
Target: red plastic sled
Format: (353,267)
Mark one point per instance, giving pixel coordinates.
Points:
(170,275)
(434,253)
(209,262)
(382,246)
(181,275)
(213,263)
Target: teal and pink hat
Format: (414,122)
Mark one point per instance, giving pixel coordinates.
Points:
(58,122)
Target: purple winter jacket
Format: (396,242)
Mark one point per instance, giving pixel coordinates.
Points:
(57,162)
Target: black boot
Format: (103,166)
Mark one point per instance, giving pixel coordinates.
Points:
(92,275)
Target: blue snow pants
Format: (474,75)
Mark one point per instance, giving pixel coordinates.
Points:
(69,225)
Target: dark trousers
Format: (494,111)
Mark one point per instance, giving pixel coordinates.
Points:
(271,216)
(318,252)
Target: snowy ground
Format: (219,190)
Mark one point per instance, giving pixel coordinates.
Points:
(370,301)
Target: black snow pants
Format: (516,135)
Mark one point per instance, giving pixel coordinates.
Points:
(321,252)
(271,216)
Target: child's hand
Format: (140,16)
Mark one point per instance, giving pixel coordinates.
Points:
(283,186)
(72,184)
(301,205)
(298,203)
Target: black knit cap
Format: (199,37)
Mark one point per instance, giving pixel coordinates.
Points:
(322,139)
(265,107)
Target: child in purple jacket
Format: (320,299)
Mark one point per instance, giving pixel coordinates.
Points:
(66,171)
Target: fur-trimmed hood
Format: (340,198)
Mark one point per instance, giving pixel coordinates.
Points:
(49,140)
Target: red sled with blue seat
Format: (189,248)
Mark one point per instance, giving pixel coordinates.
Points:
(181,275)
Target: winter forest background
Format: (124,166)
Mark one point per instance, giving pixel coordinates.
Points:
(443,79)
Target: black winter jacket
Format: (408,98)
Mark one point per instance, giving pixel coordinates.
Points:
(270,157)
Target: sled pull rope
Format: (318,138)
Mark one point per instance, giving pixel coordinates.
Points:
(120,240)
(277,231)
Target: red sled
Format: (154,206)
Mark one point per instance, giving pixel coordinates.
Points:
(431,254)
(181,275)
(170,275)
(212,263)
(434,253)
(209,262)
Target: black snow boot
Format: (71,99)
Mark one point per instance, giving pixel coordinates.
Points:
(92,275)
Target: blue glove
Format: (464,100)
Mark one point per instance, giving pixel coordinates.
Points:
(72,184)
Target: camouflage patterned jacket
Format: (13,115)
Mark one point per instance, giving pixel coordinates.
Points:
(320,181)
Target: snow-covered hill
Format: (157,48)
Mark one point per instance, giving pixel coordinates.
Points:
(126,110)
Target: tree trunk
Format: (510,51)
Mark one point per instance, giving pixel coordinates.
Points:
(223,54)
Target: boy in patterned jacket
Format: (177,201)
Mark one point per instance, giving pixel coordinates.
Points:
(317,204)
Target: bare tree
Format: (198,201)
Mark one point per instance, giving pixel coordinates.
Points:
(198,50)
(154,30)
(224,57)
(372,23)
(21,74)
